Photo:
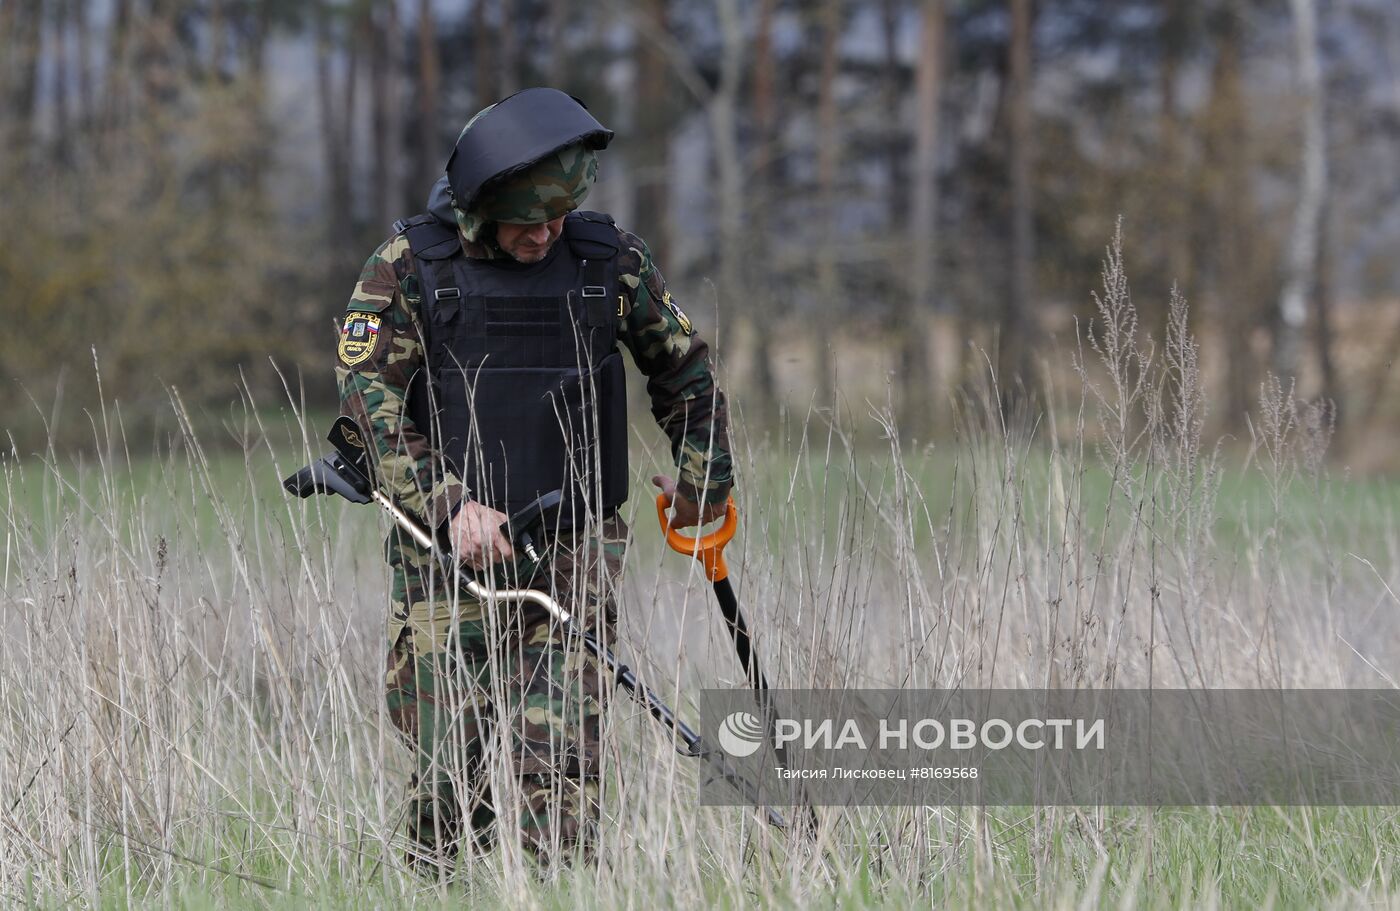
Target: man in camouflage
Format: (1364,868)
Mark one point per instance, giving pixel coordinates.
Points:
(461,674)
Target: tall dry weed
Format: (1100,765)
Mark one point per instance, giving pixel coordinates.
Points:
(191,665)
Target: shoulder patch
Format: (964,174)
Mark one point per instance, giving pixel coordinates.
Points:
(678,313)
(358,337)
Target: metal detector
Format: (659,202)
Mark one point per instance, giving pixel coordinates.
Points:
(346,472)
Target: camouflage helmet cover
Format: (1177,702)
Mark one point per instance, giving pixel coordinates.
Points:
(550,188)
(512,136)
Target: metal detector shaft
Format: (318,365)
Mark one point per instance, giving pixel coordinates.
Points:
(739,631)
(709,550)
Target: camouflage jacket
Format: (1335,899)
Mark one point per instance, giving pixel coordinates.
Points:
(381,349)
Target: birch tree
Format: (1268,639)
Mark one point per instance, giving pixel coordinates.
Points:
(1302,258)
(828,150)
(916,365)
(764,383)
(1018,314)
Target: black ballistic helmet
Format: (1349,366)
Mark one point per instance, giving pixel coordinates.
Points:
(516,132)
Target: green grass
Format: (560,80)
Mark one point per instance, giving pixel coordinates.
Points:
(1235,857)
(255,851)
(191,673)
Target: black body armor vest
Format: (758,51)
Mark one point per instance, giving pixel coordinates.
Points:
(523,389)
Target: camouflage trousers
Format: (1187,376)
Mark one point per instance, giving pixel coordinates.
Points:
(500,694)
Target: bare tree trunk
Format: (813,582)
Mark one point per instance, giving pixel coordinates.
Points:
(764,77)
(509,46)
(256,54)
(24,78)
(917,382)
(764,385)
(325,102)
(1331,389)
(387,107)
(1019,313)
(84,66)
(652,216)
(431,156)
(114,84)
(558,46)
(8,50)
(1232,213)
(213,72)
(895,146)
(488,89)
(1175,199)
(1312,194)
(725,136)
(62,90)
(355,37)
(828,145)
(335,128)
(380,76)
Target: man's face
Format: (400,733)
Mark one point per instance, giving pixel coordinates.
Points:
(528,243)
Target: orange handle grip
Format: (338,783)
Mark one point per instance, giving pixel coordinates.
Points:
(708,549)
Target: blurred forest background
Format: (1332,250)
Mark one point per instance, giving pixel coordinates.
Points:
(849,196)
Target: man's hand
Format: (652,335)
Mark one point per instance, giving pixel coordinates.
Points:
(476,535)
(685,513)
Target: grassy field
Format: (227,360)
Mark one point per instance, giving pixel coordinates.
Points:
(191,710)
